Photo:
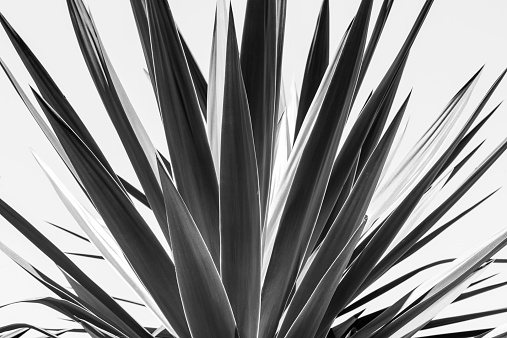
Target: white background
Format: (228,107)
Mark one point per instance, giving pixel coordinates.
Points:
(457,39)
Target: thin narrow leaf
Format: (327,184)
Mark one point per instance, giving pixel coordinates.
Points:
(215,103)
(85,255)
(447,286)
(470,294)
(422,242)
(32,234)
(316,64)
(402,247)
(391,285)
(11,327)
(374,39)
(70,232)
(458,319)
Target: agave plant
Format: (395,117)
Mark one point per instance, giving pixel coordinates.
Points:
(273,215)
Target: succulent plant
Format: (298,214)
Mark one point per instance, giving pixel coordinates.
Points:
(271,215)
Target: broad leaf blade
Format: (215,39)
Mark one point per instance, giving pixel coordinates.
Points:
(259,59)
(240,218)
(207,308)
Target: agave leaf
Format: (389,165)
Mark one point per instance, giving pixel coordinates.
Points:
(284,140)
(70,232)
(422,242)
(140,246)
(460,334)
(38,118)
(383,318)
(274,213)
(78,254)
(402,247)
(201,87)
(469,294)
(215,99)
(382,16)
(103,241)
(364,262)
(73,311)
(94,305)
(240,218)
(498,332)
(378,124)
(134,192)
(143,29)
(348,154)
(311,178)
(316,64)
(38,275)
(141,151)
(391,285)
(461,163)
(344,194)
(54,140)
(207,308)
(458,319)
(339,330)
(307,321)
(443,287)
(260,52)
(469,136)
(93,331)
(347,222)
(17,333)
(52,94)
(23,326)
(395,188)
(414,322)
(32,234)
(184,126)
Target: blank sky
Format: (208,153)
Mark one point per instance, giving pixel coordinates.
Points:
(459,36)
